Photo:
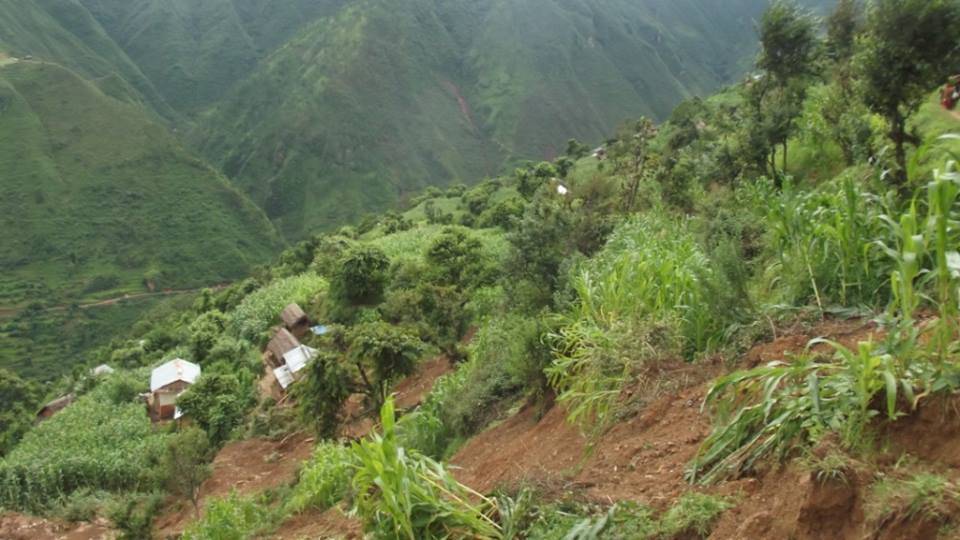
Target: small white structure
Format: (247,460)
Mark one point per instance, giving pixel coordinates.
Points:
(296,359)
(101,370)
(167,382)
(562,189)
(283,376)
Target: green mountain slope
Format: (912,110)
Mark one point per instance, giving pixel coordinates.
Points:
(63,31)
(383,98)
(195,51)
(98,198)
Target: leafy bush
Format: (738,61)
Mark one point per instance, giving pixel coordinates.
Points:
(383,353)
(230,518)
(217,403)
(261,309)
(324,479)
(133,514)
(321,393)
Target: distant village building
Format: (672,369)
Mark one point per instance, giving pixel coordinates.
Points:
(295,320)
(101,371)
(167,382)
(281,342)
(294,361)
(55,406)
(600,153)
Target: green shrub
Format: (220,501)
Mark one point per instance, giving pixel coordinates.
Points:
(321,393)
(230,518)
(133,514)
(324,479)
(217,403)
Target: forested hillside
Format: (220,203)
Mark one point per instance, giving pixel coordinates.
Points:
(363,107)
(646,342)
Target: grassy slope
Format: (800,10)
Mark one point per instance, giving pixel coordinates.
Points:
(384,98)
(195,51)
(62,31)
(99,196)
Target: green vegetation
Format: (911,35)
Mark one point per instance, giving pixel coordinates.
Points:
(95,443)
(599,283)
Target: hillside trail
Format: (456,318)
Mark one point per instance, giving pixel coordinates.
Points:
(6,312)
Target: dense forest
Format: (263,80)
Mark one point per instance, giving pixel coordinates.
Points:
(768,278)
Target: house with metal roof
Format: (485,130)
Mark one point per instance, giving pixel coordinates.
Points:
(167,382)
(281,342)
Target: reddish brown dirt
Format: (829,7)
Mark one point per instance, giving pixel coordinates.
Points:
(847,332)
(932,433)
(249,466)
(411,391)
(20,527)
(332,524)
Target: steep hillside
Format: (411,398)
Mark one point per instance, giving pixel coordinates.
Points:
(98,198)
(63,31)
(380,99)
(195,51)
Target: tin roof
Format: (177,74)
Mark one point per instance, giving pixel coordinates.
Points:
(173,371)
(297,359)
(283,375)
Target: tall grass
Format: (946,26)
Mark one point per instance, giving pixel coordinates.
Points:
(642,299)
(822,240)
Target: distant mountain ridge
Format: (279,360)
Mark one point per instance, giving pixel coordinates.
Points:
(321,110)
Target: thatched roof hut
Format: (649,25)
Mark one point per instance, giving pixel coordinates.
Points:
(281,342)
(295,319)
(56,406)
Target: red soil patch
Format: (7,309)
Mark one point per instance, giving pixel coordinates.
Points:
(847,332)
(15,526)
(412,390)
(249,466)
(332,524)
(931,433)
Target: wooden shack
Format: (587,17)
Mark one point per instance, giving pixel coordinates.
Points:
(281,342)
(55,406)
(295,320)
(167,382)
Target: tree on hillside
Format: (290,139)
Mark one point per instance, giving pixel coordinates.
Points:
(382,353)
(789,45)
(909,47)
(843,24)
(321,393)
(359,280)
(18,403)
(185,463)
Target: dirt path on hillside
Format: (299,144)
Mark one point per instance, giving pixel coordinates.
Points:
(13,312)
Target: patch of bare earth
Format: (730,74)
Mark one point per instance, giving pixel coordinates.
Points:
(15,526)
(247,467)
(643,458)
(331,524)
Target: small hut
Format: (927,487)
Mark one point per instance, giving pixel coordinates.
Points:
(167,382)
(295,320)
(281,342)
(55,406)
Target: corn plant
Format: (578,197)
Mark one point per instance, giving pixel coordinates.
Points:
(822,241)
(776,408)
(402,494)
(942,226)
